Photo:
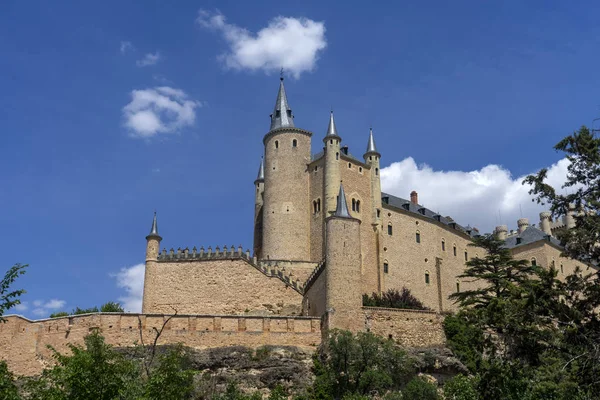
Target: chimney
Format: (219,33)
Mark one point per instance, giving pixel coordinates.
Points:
(523,223)
(414,197)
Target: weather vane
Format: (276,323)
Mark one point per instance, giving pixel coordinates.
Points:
(281,74)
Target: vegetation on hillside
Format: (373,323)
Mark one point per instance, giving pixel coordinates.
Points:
(394,299)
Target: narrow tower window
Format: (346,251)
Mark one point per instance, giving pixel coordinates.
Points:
(350,165)
(457,286)
(443,245)
(277,144)
(357,205)
(331,141)
(318,205)
(378,213)
(337,156)
(390,230)
(466,256)
(418,237)
(353,205)
(314,207)
(294,143)
(427,277)
(561,268)
(454,250)
(385,268)
(533,262)
(376,171)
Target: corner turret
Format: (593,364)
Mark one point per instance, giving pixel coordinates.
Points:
(259,186)
(332,178)
(372,157)
(152,249)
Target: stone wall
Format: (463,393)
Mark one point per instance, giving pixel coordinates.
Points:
(545,255)
(217,286)
(23,343)
(410,328)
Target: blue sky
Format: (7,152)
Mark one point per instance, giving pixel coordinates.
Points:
(110,110)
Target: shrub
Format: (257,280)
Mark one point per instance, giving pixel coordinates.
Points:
(461,388)
(59,314)
(420,389)
(8,389)
(112,306)
(394,299)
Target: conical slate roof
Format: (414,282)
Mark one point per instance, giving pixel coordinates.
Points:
(282,113)
(154,229)
(342,207)
(371,148)
(331,129)
(261,171)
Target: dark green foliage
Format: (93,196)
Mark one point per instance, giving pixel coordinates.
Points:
(465,339)
(359,364)
(112,306)
(90,310)
(172,379)
(420,389)
(461,388)
(59,314)
(9,299)
(233,393)
(8,389)
(394,299)
(582,149)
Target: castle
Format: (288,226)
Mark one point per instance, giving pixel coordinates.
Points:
(324,235)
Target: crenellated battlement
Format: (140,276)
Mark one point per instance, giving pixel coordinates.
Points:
(268,268)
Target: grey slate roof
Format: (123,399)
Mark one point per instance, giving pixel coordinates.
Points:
(331,128)
(342,207)
(371,148)
(530,235)
(282,113)
(399,202)
(261,171)
(154,229)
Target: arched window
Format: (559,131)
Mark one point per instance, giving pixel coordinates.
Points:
(427,277)
(350,165)
(533,262)
(561,268)
(376,171)
(360,169)
(337,156)
(294,143)
(390,230)
(418,237)
(353,205)
(454,249)
(386,267)
(331,141)
(443,245)
(318,205)
(457,286)
(466,256)
(277,144)
(315,207)
(357,205)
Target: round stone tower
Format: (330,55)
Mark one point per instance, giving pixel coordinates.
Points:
(332,178)
(259,188)
(523,224)
(152,249)
(372,158)
(286,208)
(545,221)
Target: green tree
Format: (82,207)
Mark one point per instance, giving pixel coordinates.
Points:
(112,306)
(59,314)
(465,338)
(78,311)
(394,299)
(173,378)
(582,149)
(420,389)
(8,389)
(9,299)
(461,387)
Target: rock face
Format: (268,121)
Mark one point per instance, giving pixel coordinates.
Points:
(251,370)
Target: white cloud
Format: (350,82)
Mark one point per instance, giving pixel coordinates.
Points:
(159,110)
(126,46)
(43,309)
(149,59)
(132,280)
(289,43)
(483,198)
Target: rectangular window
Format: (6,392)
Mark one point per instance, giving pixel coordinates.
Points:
(385,268)
(427,279)
(378,213)
(390,230)
(418,237)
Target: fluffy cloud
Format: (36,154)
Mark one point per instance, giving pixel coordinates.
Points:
(132,280)
(44,308)
(126,46)
(159,110)
(483,198)
(149,59)
(290,43)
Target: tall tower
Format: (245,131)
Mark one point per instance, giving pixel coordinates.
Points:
(259,186)
(332,178)
(152,248)
(343,297)
(372,158)
(286,218)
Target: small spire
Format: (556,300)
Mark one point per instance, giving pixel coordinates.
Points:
(332,132)
(342,207)
(261,172)
(371,148)
(154,229)
(282,113)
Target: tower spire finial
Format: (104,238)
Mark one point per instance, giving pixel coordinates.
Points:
(282,113)
(342,207)
(154,229)
(281,74)
(371,148)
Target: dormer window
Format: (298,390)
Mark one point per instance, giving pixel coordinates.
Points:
(278,114)
(289,113)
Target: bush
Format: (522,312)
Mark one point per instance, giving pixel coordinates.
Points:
(173,378)
(465,339)
(78,310)
(394,299)
(461,388)
(8,389)
(420,389)
(111,306)
(59,314)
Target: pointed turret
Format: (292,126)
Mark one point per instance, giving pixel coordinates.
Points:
(282,114)
(154,230)
(261,172)
(371,148)
(342,207)
(332,132)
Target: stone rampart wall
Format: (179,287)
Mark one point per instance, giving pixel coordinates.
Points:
(410,328)
(24,343)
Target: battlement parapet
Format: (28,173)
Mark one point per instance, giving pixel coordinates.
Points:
(314,275)
(269,268)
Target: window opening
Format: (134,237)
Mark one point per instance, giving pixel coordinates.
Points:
(276,144)
(418,237)
(385,268)
(294,143)
(443,246)
(390,230)
(427,277)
